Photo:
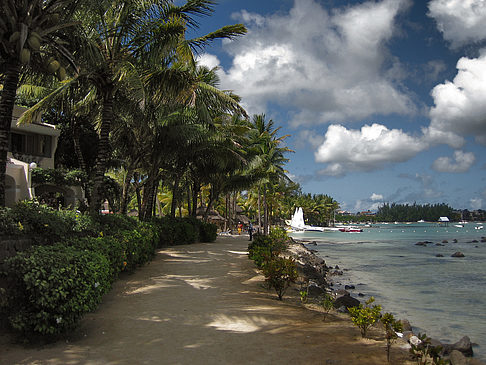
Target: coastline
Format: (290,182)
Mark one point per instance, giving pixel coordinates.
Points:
(463,346)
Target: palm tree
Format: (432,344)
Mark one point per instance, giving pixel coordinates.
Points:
(31,38)
(268,159)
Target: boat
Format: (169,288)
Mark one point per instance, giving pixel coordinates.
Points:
(459,225)
(298,225)
(479,227)
(350,229)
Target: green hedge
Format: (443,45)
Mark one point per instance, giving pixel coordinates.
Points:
(53,286)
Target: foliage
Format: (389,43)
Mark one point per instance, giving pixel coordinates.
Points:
(208,232)
(53,286)
(365,316)
(139,245)
(424,353)
(175,231)
(58,177)
(279,273)
(8,225)
(391,326)
(327,304)
(413,213)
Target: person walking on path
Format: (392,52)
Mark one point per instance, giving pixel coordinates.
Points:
(250,231)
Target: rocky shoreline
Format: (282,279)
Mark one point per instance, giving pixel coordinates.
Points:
(318,278)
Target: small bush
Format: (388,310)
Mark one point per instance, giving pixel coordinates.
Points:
(365,316)
(391,326)
(208,232)
(279,273)
(53,286)
(110,247)
(174,231)
(8,225)
(139,244)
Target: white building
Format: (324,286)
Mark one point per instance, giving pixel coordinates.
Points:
(32,145)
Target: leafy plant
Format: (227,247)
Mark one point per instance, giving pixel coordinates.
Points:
(327,304)
(424,353)
(391,326)
(365,316)
(279,273)
(53,286)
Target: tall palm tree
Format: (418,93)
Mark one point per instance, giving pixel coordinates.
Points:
(31,38)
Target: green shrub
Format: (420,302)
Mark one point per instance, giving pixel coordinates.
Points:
(8,225)
(391,326)
(279,273)
(140,245)
(208,232)
(174,231)
(110,247)
(53,287)
(113,223)
(365,316)
(425,353)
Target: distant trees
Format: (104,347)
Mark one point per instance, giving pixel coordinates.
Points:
(413,213)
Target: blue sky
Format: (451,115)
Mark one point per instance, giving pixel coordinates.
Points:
(385,100)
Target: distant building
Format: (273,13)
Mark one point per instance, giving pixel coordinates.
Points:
(367,213)
(30,146)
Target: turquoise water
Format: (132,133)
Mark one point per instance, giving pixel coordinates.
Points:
(444,297)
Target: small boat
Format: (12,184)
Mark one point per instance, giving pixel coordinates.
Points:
(459,225)
(479,227)
(350,229)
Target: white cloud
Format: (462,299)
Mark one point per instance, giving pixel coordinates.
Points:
(476,203)
(335,66)
(376,197)
(368,149)
(460,21)
(208,60)
(460,106)
(462,162)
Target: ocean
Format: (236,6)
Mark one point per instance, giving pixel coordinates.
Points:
(444,297)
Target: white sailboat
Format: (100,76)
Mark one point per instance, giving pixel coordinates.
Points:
(298,225)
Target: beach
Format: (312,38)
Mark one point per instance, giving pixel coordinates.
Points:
(205,304)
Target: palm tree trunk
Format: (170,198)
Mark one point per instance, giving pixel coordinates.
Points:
(265,214)
(149,189)
(195,192)
(10,83)
(189,199)
(125,191)
(103,150)
(259,208)
(175,192)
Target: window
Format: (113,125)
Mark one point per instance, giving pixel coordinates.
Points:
(31,144)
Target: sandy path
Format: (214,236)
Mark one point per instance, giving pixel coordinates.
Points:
(203,304)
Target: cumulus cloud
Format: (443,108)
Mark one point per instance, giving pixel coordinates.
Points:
(460,105)
(462,162)
(208,60)
(376,197)
(460,21)
(326,66)
(367,149)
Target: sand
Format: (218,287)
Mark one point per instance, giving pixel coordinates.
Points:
(205,304)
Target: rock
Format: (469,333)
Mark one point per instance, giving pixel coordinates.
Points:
(454,240)
(420,244)
(464,345)
(406,326)
(342,309)
(347,287)
(474,241)
(439,244)
(407,335)
(341,292)
(428,242)
(414,340)
(457,254)
(336,267)
(445,241)
(347,301)
(313,243)
(457,358)
(315,291)
(439,255)
(360,295)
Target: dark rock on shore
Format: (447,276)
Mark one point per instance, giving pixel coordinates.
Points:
(347,287)
(421,244)
(314,291)
(454,240)
(439,255)
(406,326)
(439,244)
(458,254)
(346,301)
(464,346)
(445,241)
